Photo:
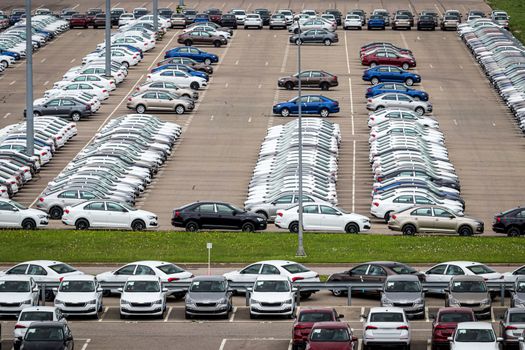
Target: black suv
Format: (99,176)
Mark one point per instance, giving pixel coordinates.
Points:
(511,222)
(229,20)
(216,215)
(265,15)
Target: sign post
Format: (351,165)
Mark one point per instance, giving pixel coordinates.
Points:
(209,246)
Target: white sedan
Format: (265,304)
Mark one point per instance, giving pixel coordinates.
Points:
(143,295)
(89,78)
(352,21)
(79,295)
(43,270)
(390,114)
(512,275)
(321,217)
(13,214)
(90,88)
(272,295)
(116,55)
(386,326)
(445,271)
(475,335)
(17,293)
(108,214)
(6,61)
(253,20)
(178,77)
(392,99)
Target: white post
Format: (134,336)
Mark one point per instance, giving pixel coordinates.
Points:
(209,246)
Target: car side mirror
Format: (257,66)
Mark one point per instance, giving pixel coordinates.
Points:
(341,316)
(364,316)
(120,290)
(339,213)
(249,289)
(354,338)
(100,289)
(425,290)
(451,217)
(35,290)
(499,339)
(15,209)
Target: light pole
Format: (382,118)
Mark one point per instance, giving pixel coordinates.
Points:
(30,138)
(300,246)
(108,38)
(155,15)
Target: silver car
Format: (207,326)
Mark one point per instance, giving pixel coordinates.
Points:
(283,201)
(518,293)
(404,291)
(396,100)
(173,88)
(55,202)
(278,21)
(512,325)
(209,296)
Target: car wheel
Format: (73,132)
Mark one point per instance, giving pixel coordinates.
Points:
(294,227)
(207,61)
(36,114)
(194,85)
(248,227)
(325,86)
(327,42)
(387,216)
(352,228)
(296,31)
(374,81)
(56,213)
(405,66)
(285,112)
(288,85)
(28,224)
(409,230)
(82,224)
(138,225)
(324,113)
(187,42)
(409,81)
(179,109)
(513,232)
(4,64)
(192,226)
(140,109)
(420,110)
(125,64)
(75,116)
(373,64)
(338,292)
(217,43)
(465,231)
(298,41)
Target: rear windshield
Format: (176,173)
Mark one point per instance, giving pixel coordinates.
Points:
(77,286)
(475,336)
(272,286)
(62,268)
(403,270)
(316,317)
(170,269)
(480,269)
(295,268)
(208,286)
(386,317)
(517,317)
(329,335)
(403,286)
(36,316)
(14,286)
(456,317)
(44,334)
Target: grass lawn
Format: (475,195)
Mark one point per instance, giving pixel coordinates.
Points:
(184,247)
(516,11)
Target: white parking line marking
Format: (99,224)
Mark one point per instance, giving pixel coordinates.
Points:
(285,58)
(353,179)
(211,118)
(460,66)
(3,77)
(431,66)
(493,124)
(103,314)
(437,8)
(116,5)
(73,60)
(290,345)
(170,5)
(226,85)
(361,319)
(237,62)
(43,60)
(275,35)
(168,314)
(427,316)
(7,115)
(250,120)
(74,7)
(232,317)
(13,82)
(351,103)
(359,344)
(249,35)
(266,63)
(46,82)
(223,344)
(455,122)
(347,58)
(441,88)
(418,38)
(259,86)
(86,344)
(143,4)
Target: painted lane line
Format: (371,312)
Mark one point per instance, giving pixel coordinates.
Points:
(493,124)
(440,88)
(351,104)
(237,62)
(12,83)
(347,58)
(361,319)
(285,58)
(223,344)
(43,60)
(455,122)
(7,115)
(266,63)
(437,8)
(232,317)
(103,314)
(460,66)
(290,345)
(73,60)
(74,7)
(168,314)
(250,120)
(211,118)
(226,85)
(170,5)
(259,86)
(353,179)
(427,316)
(431,66)
(86,344)
(116,5)
(79,33)
(359,344)
(429,344)
(46,82)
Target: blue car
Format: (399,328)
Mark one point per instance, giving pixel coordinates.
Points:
(193,53)
(390,74)
(376,22)
(182,67)
(310,104)
(201,18)
(396,87)
(15,55)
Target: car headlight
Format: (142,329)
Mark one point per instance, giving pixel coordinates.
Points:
(289,301)
(386,301)
(223,301)
(419,302)
(92,302)
(453,301)
(124,302)
(485,302)
(152,217)
(27,302)
(260,219)
(253,301)
(42,216)
(158,302)
(189,301)
(57,301)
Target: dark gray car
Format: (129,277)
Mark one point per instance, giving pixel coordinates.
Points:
(209,296)
(63,107)
(315,36)
(469,291)
(406,292)
(512,325)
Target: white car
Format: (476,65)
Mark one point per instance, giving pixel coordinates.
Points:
(386,326)
(511,276)
(163,22)
(143,295)
(352,21)
(209,29)
(178,77)
(13,214)
(445,271)
(120,56)
(34,314)
(6,61)
(288,15)
(272,295)
(240,15)
(90,88)
(79,295)
(42,270)
(408,116)
(90,78)
(253,20)
(313,23)
(322,217)
(17,293)
(126,18)
(395,100)
(108,214)
(167,272)
(474,336)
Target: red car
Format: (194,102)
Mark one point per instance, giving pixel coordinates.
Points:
(78,20)
(306,319)
(215,15)
(445,323)
(331,336)
(388,58)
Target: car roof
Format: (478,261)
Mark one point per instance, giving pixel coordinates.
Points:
(402,278)
(42,262)
(316,310)
(16,278)
(474,325)
(143,278)
(47,324)
(79,278)
(273,278)
(516,310)
(386,309)
(462,263)
(331,325)
(276,262)
(209,278)
(455,310)
(153,263)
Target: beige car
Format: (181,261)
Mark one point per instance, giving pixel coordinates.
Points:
(160,101)
(173,88)
(433,218)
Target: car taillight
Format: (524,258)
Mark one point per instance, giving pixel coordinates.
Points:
(177,213)
(20,326)
(372,118)
(297,278)
(403,327)
(60,279)
(13,182)
(104,90)
(66,211)
(149,76)
(379,179)
(129,99)
(369,90)
(280,214)
(88,107)
(26,170)
(510,328)
(369,100)
(171,279)
(370,327)
(376,204)
(59,138)
(334,78)
(394,217)
(41,199)
(43,153)
(373,135)
(498,219)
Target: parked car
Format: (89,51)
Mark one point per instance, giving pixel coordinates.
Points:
(450,22)
(67,107)
(305,320)
(321,36)
(310,78)
(512,325)
(469,291)
(396,87)
(229,20)
(388,57)
(78,20)
(100,21)
(178,77)
(199,37)
(380,74)
(143,295)
(79,295)
(169,87)
(337,15)
(265,15)
(178,20)
(272,295)
(511,222)
(386,325)
(332,335)
(353,21)
(479,333)
(193,53)
(445,271)
(188,62)
(253,20)
(404,291)
(445,322)
(278,21)
(310,104)
(160,101)
(426,22)
(396,100)
(402,21)
(209,296)
(48,335)
(376,22)
(31,315)
(17,293)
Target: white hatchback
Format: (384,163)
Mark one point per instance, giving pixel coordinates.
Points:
(143,295)
(17,293)
(386,326)
(34,314)
(13,214)
(474,336)
(253,20)
(79,295)
(272,295)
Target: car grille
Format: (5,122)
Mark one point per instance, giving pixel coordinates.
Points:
(470,304)
(403,304)
(75,304)
(270,304)
(141,304)
(206,304)
(9,304)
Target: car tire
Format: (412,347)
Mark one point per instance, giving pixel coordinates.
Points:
(387,215)
(420,110)
(125,64)
(4,63)
(288,85)
(324,112)
(295,347)
(253,316)
(248,227)
(28,224)
(294,227)
(179,109)
(36,114)
(298,41)
(192,226)
(514,232)
(327,42)
(140,109)
(56,212)
(338,292)
(405,66)
(409,230)
(82,224)
(465,231)
(325,86)
(352,227)
(188,42)
(95,27)
(207,61)
(194,85)
(217,43)
(409,81)
(75,116)
(138,225)
(373,64)
(374,81)
(296,31)
(285,112)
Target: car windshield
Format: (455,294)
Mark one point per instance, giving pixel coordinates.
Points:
(77,286)
(386,317)
(44,334)
(208,286)
(142,287)
(475,336)
(521,287)
(403,269)
(403,286)
(127,206)
(272,286)
(480,269)
(456,317)
(517,317)
(295,268)
(18,205)
(14,286)
(36,316)
(170,269)
(329,335)
(315,317)
(62,268)
(468,287)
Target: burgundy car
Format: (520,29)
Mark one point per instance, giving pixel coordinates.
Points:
(306,319)
(91,13)
(215,15)
(445,323)
(331,336)
(78,20)
(389,58)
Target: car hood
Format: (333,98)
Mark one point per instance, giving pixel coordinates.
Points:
(43,345)
(141,297)
(470,297)
(104,276)
(14,297)
(330,345)
(75,297)
(271,297)
(402,296)
(208,297)
(477,346)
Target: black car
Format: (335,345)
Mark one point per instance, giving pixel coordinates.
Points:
(48,336)
(165,12)
(115,15)
(426,22)
(265,15)
(216,215)
(139,12)
(431,13)
(337,14)
(229,20)
(511,222)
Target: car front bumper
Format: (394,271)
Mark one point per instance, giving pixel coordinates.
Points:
(283,310)
(133,310)
(89,309)
(219,310)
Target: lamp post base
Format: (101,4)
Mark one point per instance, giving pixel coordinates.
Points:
(300,252)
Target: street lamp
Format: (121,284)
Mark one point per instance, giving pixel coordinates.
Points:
(300,246)
(108,38)
(30,141)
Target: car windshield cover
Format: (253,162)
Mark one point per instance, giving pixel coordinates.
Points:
(272,287)
(14,286)
(329,335)
(403,286)
(170,269)
(403,270)
(36,316)
(77,287)
(295,268)
(475,336)
(44,334)
(315,317)
(468,287)
(208,286)
(386,317)
(142,287)
(480,269)
(62,268)
(456,317)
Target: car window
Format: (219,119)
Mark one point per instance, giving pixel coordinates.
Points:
(252,269)
(422,212)
(386,317)
(316,317)
(224,209)
(150,95)
(87,195)
(442,213)
(376,271)
(404,199)
(456,317)
(403,98)
(295,268)
(454,270)
(520,271)
(6,206)
(207,208)
(36,316)
(480,269)
(389,97)
(314,99)
(144,270)
(437,270)
(36,270)
(67,103)
(423,200)
(95,206)
(170,269)
(126,270)
(284,200)
(517,317)
(69,195)
(359,270)
(328,210)
(53,103)
(270,270)
(17,270)
(310,209)
(115,207)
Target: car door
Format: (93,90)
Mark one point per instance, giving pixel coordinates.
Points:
(66,107)
(395,74)
(404,101)
(38,273)
(315,79)
(249,273)
(331,219)
(67,198)
(151,100)
(117,215)
(283,202)
(380,57)
(453,270)
(143,270)
(96,214)
(122,274)
(51,108)
(313,105)
(304,76)
(375,274)
(227,216)
(423,218)
(165,102)
(358,273)
(309,36)
(169,75)
(181,79)
(444,221)
(311,217)
(9,215)
(207,215)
